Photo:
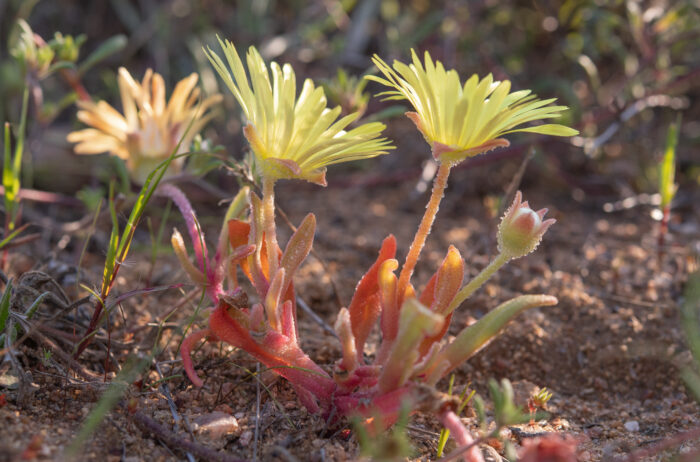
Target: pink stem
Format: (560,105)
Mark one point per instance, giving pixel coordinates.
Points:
(178,197)
(187,344)
(460,433)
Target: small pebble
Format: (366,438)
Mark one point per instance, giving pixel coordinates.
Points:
(216,424)
(632,426)
(245,438)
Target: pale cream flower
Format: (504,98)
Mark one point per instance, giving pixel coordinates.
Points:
(150,129)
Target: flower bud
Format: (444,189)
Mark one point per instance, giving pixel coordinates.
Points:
(521,228)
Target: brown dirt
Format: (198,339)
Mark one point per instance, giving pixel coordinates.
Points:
(610,350)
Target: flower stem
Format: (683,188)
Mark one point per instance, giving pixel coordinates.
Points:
(460,433)
(477,282)
(269,224)
(426,224)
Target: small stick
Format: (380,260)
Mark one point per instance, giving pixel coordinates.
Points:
(257,413)
(76,366)
(173,408)
(515,182)
(307,309)
(660,446)
(149,425)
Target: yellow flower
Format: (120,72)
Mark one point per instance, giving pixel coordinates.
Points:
(150,129)
(463,121)
(293,137)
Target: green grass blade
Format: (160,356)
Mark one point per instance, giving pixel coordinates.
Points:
(112,248)
(108,47)
(107,402)
(6,240)
(667,170)
(689,315)
(19,149)
(7,174)
(5,305)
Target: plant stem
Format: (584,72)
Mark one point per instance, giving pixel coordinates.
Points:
(269,224)
(460,433)
(477,282)
(439,185)
(663,229)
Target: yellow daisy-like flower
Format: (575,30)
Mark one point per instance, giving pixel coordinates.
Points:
(293,137)
(463,121)
(150,129)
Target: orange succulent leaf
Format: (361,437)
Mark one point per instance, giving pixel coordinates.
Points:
(448,280)
(238,233)
(428,295)
(366,303)
(440,292)
(387,282)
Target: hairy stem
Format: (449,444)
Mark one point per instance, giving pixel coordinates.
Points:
(477,282)
(269,224)
(439,185)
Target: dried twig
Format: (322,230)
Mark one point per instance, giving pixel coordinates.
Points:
(307,309)
(662,445)
(149,425)
(173,408)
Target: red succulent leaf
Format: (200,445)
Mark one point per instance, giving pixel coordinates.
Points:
(187,344)
(276,351)
(386,407)
(366,304)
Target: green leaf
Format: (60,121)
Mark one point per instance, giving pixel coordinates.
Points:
(474,337)
(110,260)
(12,166)
(5,305)
(667,169)
(107,48)
(60,65)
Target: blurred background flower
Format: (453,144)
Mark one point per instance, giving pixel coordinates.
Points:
(151,129)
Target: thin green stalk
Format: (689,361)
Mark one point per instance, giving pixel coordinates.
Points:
(478,281)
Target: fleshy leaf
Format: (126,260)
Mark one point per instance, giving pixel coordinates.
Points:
(449,280)
(272,301)
(187,344)
(471,339)
(415,323)
(387,290)
(298,247)
(365,305)
(275,351)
